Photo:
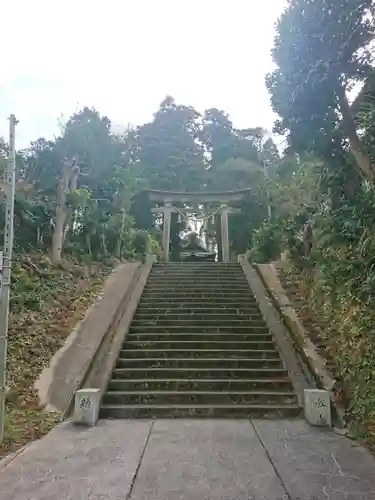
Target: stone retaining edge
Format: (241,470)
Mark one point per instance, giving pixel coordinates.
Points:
(96,374)
(297,370)
(8,459)
(302,343)
(105,358)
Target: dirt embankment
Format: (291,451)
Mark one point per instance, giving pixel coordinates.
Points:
(47,301)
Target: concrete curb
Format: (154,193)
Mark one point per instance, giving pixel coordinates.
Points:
(297,370)
(302,343)
(106,355)
(9,458)
(88,375)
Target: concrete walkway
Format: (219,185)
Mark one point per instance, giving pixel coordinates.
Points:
(190,460)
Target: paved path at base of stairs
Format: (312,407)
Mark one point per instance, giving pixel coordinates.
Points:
(190,460)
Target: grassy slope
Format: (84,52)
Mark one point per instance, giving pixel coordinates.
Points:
(46,303)
(334,333)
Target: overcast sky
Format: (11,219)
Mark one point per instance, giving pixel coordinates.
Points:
(124,56)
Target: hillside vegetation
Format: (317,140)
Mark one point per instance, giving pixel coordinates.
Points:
(323,192)
(80,202)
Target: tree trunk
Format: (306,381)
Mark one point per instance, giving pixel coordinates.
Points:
(363,160)
(88,243)
(72,186)
(68,181)
(66,230)
(121,237)
(58,234)
(104,244)
(307,239)
(61,214)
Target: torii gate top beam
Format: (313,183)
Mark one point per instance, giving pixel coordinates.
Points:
(196,197)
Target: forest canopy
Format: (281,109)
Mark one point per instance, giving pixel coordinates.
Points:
(83,192)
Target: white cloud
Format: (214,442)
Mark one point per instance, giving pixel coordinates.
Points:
(124,56)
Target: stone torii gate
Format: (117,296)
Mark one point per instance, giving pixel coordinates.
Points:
(169,197)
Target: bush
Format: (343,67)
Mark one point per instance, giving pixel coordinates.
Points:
(267,242)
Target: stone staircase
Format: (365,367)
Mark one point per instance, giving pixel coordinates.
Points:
(199,347)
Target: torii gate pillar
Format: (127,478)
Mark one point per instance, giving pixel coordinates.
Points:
(225,251)
(167,213)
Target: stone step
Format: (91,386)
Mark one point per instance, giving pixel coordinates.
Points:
(184,265)
(199,278)
(196,397)
(194,281)
(201,411)
(193,301)
(189,266)
(217,372)
(192,337)
(143,311)
(281,383)
(177,316)
(198,289)
(183,301)
(198,346)
(189,326)
(181,321)
(187,272)
(208,295)
(201,329)
(199,282)
(199,274)
(128,353)
(197,363)
(191,270)
(180,300)
(173,343)
(191,306)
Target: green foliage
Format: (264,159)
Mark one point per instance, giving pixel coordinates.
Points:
(339,276)
(107,207)
(167,151)
(87,137)
(344,275)
(141,242)
(322,48)
(267,242)
(234,162)
(47,301)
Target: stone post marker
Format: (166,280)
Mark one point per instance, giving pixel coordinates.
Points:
(86,406)
(317,407)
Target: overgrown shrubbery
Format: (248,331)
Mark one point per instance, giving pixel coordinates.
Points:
(318,62)
(267,242)
(338,282)
(343,282)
